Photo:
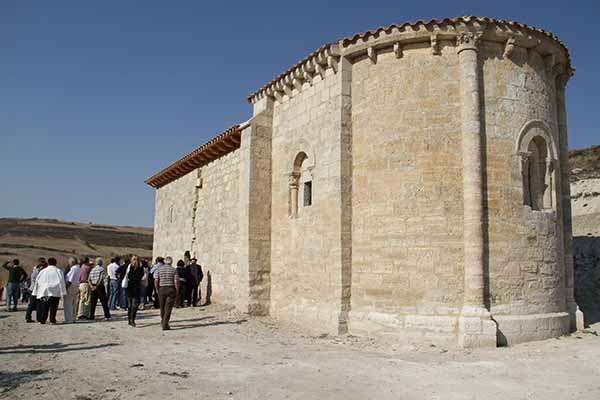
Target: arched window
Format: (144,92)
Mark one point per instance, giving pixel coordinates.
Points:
(171,211)
(300,184)
(537,166)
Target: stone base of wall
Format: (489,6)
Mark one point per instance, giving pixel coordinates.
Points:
(513,329)
(314,319)
(432,328)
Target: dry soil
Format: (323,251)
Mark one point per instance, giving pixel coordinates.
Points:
(216,353)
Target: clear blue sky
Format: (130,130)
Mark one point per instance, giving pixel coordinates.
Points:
(95,96)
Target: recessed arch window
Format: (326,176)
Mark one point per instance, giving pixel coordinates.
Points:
(300,184)
(538,161)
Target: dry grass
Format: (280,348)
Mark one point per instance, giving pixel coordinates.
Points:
(28,239)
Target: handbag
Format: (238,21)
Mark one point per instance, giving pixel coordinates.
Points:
(125,281)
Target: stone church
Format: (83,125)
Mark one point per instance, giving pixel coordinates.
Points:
(411,181)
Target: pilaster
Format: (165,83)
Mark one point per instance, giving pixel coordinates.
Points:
(255,207)
(575,314)
(475,326)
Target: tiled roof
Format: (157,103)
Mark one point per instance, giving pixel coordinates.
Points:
(405,26)
(225,142)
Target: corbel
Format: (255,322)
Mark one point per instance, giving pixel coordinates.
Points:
(549,62)
(332,63)
(435,44)
(509,47)
(286,85)
(318,68)
(308,73)
(277,93)
(398,50)
(298,79)
(372,54)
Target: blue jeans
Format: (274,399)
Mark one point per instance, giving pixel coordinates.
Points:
(12,295)
(123,299)
(113,291)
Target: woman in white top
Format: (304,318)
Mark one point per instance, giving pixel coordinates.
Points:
(49,289)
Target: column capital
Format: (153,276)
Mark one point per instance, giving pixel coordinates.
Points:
(468,41)
(293,179)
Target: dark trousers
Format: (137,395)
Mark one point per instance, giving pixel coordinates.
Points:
(132,307)
(180,296)
(45,306)
(166,299)
(195,294)
(31,307)
(99,294)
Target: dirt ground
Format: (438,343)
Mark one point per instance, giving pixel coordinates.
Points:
(216,353)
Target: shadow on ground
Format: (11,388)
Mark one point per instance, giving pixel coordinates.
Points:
(52,348)
(11,380)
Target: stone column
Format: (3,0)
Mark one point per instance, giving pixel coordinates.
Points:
(475,327)
(255,209)
(293,180)
(576,315)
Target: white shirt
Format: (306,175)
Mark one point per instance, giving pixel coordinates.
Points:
(112,270)
(73,275)
(50,282)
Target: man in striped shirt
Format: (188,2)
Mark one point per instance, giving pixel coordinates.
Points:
(165,279)
(97,289)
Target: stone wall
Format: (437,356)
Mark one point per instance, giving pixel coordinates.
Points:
(305,250)
(217,221)
(406,191)
(173,227)
(526,267)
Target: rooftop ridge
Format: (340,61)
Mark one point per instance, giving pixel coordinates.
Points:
(327,55)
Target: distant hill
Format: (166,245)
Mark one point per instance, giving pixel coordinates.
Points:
(584,163)
(28,239)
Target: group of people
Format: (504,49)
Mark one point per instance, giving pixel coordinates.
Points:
(129,284)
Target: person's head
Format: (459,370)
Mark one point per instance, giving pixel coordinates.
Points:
(99,261)
(144,263)
(180,264)
(42,262)
(193,261)
(15,262)
(117,260)
(168,260)
(52,261)
(160,260)
(134,261)
(72,261)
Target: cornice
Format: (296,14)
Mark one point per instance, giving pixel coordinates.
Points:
(513,34)
(224,143)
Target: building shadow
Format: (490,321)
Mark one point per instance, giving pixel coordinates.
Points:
(177,321)
(11,380)
(586,250)
(208,288)
(52,348)
(204,325)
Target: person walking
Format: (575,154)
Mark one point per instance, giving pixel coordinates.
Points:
(84,289)
(159,261)
(70,302)
(167,282)
(49,289)
(16,276)
(32,306)
(98,290)
(197,276)
(181,276)
(135,274)
(113,283)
